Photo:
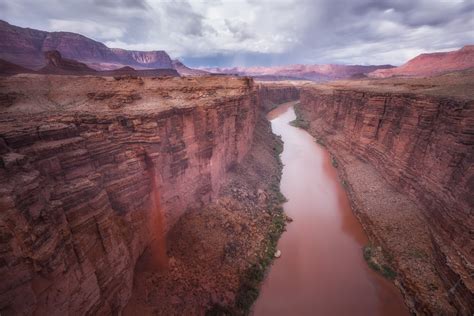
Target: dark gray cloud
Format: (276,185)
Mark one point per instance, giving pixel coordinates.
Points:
(260,32)
(122,3)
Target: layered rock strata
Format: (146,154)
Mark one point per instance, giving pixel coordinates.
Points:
(92,169)
(275,93)
(418,149)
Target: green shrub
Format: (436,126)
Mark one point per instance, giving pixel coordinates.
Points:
(369,253)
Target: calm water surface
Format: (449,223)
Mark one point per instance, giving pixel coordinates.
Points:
(321,270)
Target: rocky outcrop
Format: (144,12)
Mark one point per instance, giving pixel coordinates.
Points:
(151,59)
(58,65)
(431,64)
(423,147)
(87,185)
(183,70)
(25,47)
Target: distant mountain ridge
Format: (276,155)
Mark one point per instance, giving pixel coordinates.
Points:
(323,72)
(26,47)
(57,65)
(186,71)
(432,64)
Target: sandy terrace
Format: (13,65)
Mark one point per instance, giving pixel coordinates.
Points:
(31,93)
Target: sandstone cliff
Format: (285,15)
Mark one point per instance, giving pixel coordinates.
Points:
(420,142)
(93,168)
(272,94)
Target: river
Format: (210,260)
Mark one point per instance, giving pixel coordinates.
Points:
(321,270)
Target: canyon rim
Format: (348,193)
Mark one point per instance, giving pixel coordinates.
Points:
(185,158)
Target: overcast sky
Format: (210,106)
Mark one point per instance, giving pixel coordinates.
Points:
(260,32)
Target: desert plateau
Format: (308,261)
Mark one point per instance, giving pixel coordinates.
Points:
(237,158)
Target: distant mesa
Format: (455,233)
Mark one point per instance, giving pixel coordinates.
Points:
(22,50)
(26,47)
(432,64)
(57,65)
(318,73)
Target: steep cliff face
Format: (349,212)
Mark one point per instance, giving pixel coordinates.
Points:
(273,93)
(87,184)
(423,147)
(151,59)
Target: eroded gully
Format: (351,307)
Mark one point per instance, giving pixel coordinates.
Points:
(321,270)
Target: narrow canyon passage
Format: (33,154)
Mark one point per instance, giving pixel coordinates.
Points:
(321,270)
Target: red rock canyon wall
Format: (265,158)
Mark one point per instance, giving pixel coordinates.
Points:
(76,187)
(423,146)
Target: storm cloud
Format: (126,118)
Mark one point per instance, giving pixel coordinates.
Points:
(260,32)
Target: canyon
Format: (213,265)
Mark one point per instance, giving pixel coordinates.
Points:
(133,184)
(322,221)
(405,152)
(97,170)
(109,183)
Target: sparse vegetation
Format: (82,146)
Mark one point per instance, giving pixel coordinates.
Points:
(344,184)
(418,254)
(253,277)
(320,142)
(370,254)
(334,162)
(299,122)
(255,274)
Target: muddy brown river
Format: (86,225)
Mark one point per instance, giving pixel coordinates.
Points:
(321,270)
